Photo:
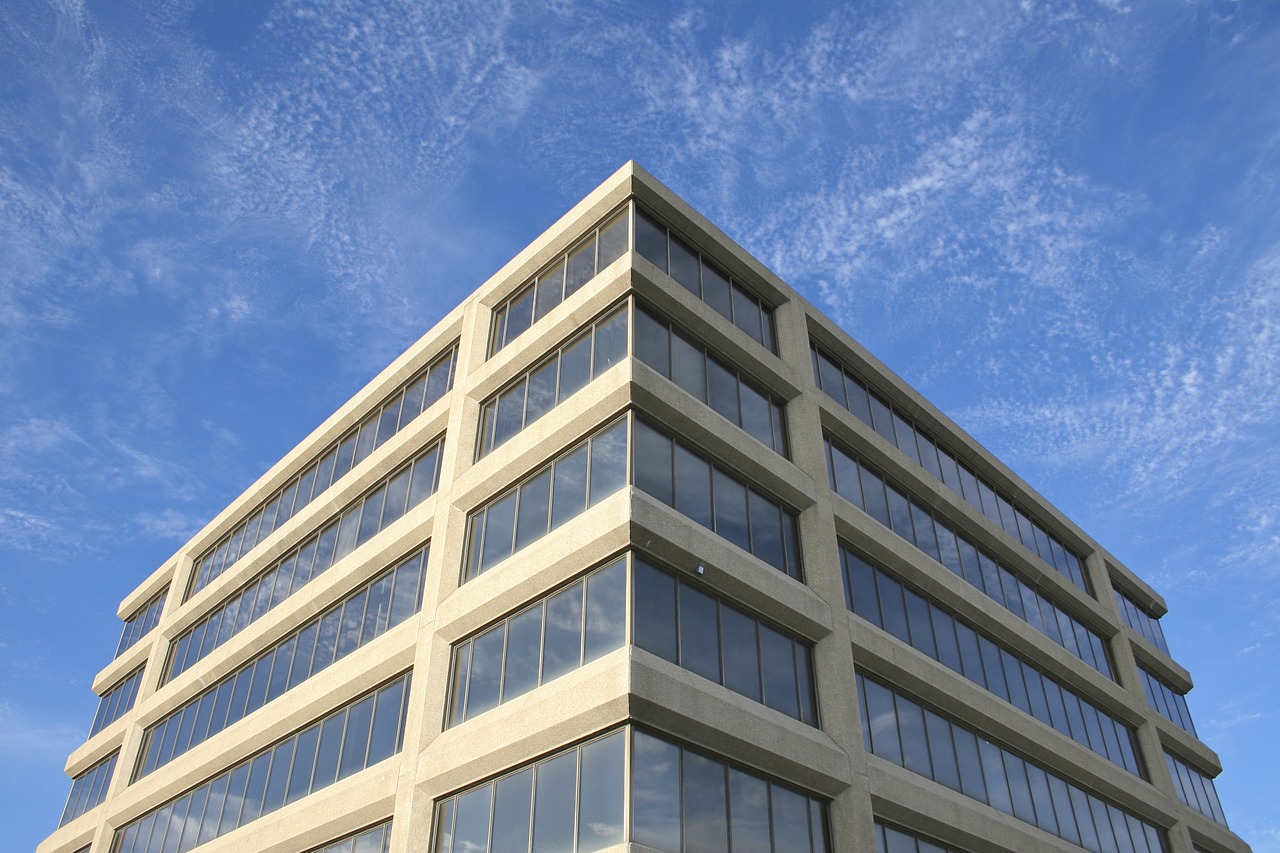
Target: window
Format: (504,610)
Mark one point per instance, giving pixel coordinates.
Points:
(1169,703)
(881,599)
(559,491)
(553,380)
(555,635)
(841,385)
(903,731)
(89,789)
(670,618)
(696,370)
(681,623)
(717,500)
(376,839)
(561,279)
(386,503)
(141,622)
(871,493)
(684,800)
(117,701)
(392,415)
(570,801)
(680,799)
(1140,620)
(704,279)
(891,840)
(366,614)
(1195,789)
(354,737)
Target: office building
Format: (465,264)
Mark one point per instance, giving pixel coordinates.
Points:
(636,547)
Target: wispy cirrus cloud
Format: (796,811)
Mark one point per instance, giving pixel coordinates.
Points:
(169,524)
(191,190)
(957,229)
(904,173)
(50,474)
(266,165)
(214,217)
(337,174)
(1163,408)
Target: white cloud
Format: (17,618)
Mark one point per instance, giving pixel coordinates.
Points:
(36,435)
(1230,716)
(948,219)
(27,531)
(369,107)
(1166,404)
(51,470)
(169,524)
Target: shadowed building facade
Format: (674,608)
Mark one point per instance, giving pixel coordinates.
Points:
(637,550)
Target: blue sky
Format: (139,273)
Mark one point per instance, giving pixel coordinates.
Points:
(1058,220)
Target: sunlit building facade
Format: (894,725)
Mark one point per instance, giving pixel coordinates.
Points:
(637,550)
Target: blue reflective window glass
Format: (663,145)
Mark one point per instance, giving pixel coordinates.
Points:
(600,805)
(655,793)
(685,267)
(699,633)
(255,788)
(384,736)
(304,762)
(569,491)
(581,266)
(731,519)
(882,721)
(471,829)
(790,814)
(944,632)
(994,776)
(355,742)
(893,607)
(969,762)
(555,789)
(484,680)
(777,662)
(655,475)
(278,776)
(575,366)
(513,802)
(747,315)
(562,638)
(614,239)
(704,812)
(653,342)
(608,462)
(741,653)
(605,623)
(524,652)
(749,813)
(716,290)
(689,367)
(655,611)
(693,487)
(919,623)
(768,537)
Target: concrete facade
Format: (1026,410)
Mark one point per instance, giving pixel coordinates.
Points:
(630,684)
